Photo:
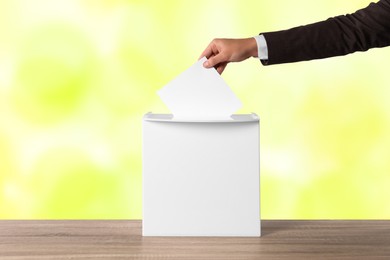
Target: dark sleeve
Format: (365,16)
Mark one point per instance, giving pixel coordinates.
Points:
(366,28)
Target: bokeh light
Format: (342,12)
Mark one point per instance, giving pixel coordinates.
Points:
(76,78)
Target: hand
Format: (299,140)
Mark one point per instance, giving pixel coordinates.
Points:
(222,51)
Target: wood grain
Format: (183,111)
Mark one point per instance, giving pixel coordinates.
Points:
(122,239)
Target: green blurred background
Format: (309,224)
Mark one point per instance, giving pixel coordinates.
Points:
(77,76)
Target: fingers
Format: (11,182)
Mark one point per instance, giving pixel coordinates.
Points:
(220,68)
(210,50)
(215,53)
(214,60)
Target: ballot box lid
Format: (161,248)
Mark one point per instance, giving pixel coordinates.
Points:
(237,118)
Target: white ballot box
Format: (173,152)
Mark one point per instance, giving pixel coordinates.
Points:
(201,177)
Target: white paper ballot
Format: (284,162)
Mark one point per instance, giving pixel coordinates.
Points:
(199,93)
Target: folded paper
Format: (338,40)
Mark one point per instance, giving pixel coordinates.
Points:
(199,93)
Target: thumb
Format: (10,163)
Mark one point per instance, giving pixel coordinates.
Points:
(214,60)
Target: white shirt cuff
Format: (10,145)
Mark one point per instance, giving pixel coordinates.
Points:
(262,48)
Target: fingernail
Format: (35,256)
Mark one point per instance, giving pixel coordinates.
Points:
(206,64)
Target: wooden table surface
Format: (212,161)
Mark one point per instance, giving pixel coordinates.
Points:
(122,239)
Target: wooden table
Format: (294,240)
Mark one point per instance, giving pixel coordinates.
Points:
(122,239)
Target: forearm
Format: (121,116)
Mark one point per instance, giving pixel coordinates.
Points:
(341,35)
